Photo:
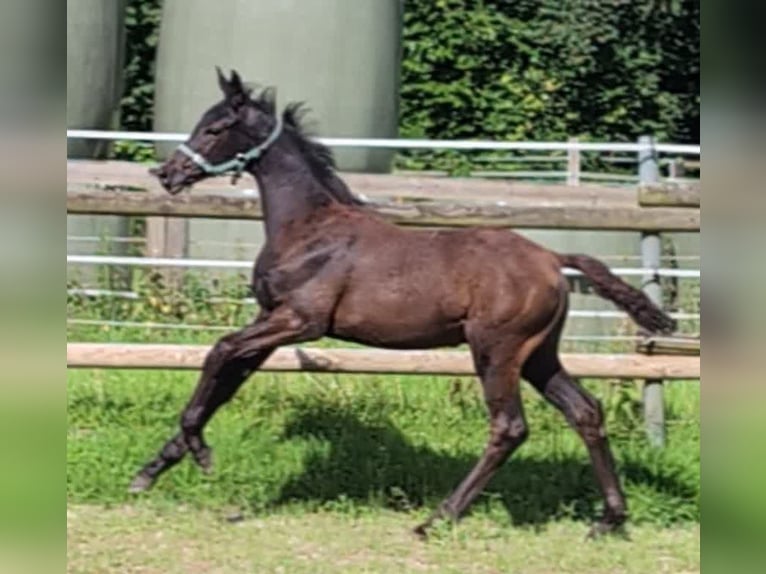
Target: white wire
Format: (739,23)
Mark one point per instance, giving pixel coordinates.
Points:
(199,327)
(414,143)
(234,264)
(136,324)
(103,293)
(110,239)
(576,313)
(157,262)
(584,313)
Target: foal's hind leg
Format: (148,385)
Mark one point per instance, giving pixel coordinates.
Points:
(583,412)
(228,364)
(508,430)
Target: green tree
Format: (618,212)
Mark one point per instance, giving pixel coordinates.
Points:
(514,70)
(547,69)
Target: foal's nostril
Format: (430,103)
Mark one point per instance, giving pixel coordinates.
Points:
(161,175)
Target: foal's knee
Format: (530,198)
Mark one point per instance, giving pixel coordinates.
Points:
(508,432)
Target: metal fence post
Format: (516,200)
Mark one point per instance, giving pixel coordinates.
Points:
(573,164)
(651,250)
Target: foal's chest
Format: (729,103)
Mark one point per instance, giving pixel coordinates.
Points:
(275,277)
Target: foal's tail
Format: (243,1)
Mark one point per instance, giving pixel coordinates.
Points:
(634,302)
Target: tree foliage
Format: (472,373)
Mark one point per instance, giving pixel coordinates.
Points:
(549,69)
(142,19)
(608,70)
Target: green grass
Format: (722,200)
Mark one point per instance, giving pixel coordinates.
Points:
(330,473)
(318,442)
(148,539)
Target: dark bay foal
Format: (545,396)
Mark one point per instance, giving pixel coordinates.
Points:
(330,267)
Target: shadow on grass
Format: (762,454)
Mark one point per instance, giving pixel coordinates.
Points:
(373,461)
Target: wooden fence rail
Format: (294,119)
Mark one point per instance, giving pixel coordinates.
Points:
(670,194)
(122,188)
(117,175)
(378,361)
(425,214)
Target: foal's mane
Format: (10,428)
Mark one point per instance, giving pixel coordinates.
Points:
(318,156)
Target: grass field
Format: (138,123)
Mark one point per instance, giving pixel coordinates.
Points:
(328,473)
(152,539)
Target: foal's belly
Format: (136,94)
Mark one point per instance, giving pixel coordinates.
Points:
(398,324)
(375,336)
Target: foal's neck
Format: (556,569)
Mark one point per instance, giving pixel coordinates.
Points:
(289,189)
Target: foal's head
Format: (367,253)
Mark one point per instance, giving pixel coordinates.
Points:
(230,135)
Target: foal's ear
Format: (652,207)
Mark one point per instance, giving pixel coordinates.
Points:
(223,83)
(233,90)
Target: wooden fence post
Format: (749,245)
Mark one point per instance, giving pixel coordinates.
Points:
(676,169)
(167,237)
(573,164)
(651,250)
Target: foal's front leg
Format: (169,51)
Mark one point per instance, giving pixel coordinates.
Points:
(228,364)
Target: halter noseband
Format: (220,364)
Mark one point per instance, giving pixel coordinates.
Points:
(238,163)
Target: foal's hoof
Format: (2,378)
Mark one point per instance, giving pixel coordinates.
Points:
(612,526)
(421,531)
(140,484)
(204,459)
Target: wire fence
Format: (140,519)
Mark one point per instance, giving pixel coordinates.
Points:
(384,143)
(221,328)
(235,264)
(547,154)
(576,313)
(568,152)
(255,246)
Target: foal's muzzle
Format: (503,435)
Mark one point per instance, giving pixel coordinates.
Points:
(173,181)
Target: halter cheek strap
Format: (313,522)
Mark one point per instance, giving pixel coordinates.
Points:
(238,163)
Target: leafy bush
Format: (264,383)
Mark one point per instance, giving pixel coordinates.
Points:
(550,69)
(520,70)
(142,20)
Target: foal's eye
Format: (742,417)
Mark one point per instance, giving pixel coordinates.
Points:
(220,126)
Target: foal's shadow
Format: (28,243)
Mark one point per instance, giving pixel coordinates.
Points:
(365,461)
